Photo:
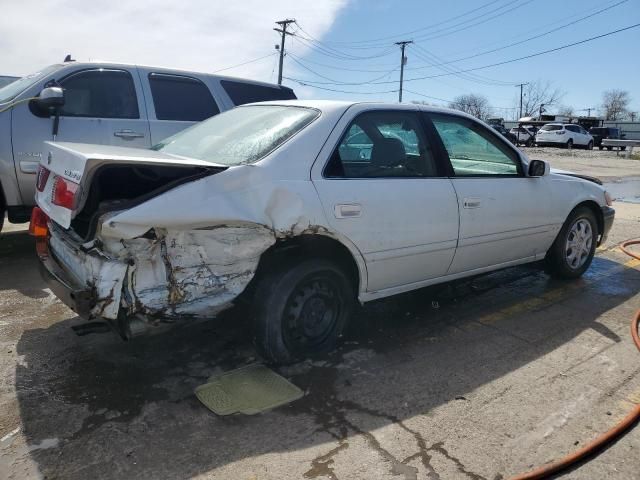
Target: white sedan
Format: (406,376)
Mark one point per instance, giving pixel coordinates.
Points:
(303,208)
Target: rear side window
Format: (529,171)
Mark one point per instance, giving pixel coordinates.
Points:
(100,93)
(241,93)
(180,98)
(551,128)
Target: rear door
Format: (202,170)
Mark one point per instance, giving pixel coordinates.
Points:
(504,215)
(175,102)
(102,105)
(383,190)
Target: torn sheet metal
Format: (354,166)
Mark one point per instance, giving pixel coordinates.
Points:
(102,275)
(193,273)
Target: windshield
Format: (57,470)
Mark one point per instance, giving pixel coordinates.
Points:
(9,92)
(241,135)
(551,128)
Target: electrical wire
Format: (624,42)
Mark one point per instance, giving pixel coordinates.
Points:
(244,63)
(337,82)
(305,84)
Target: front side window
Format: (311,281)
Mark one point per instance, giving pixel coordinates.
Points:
(383,144)
(473,150)
(180,98)
(239,136)
(100,93)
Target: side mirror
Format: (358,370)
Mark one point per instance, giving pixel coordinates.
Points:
(538,168)
(50,98)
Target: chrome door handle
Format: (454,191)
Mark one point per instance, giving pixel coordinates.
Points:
(349,210)
(128,134)
(471,202)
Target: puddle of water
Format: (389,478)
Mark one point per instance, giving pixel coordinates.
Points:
(627,190)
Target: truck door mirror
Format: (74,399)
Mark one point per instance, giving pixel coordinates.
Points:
(50,98)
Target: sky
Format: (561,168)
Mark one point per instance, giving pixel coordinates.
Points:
(345,49)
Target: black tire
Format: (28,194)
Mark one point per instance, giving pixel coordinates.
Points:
(560,259)
(590,145)
(529,143)
(301,309)
(600,147)
(570,143)
(622,149)
(609,148)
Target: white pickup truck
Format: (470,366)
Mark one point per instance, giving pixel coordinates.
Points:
(104,103)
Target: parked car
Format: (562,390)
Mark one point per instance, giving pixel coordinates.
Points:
(301,208)
(564,135)
(504,132)
(105,103)
(601,133)
(524,134)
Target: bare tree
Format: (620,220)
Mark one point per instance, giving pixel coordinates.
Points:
(566,110)
(615,104)
(536,94)
(473,104)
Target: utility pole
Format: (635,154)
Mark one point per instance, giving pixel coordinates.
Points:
(403,60)
(284,24)
(521,85)
(588,110)
(541,111)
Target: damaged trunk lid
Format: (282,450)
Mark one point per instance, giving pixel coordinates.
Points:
(78,183)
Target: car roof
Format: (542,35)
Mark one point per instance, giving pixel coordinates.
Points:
(178,71)
(345,104)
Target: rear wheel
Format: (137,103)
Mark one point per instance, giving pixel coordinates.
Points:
(301,309)
(569,143)
(574,247)
(609,148)
(600,147)
(622,149)
(590,145)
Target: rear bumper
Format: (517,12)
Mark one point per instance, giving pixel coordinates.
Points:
(79,299)
(608,215)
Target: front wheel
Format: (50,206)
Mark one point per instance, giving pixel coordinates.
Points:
(569,144)
(590,146)
(301,310)
(574,247)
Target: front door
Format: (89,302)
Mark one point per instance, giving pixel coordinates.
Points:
(504,215)
(383,189)
(101,106)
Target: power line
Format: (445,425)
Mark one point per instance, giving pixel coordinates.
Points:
(305,84)
(331,81)
(244,63)
(533,37)
(405,34)
(537,54)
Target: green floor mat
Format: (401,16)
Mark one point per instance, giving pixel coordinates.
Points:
(249,390)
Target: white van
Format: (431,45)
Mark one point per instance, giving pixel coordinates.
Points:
(105,103)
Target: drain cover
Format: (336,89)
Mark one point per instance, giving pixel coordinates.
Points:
(249,390)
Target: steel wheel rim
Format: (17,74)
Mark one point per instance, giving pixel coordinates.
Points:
(312,313)
(579,243)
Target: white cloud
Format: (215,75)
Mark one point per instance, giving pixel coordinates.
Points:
(201,35)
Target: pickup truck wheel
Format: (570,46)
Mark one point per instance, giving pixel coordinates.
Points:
(301,310)
(609,148)
(574,247)
(622,149)
(600,147)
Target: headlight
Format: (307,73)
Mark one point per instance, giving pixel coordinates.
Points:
(608,199)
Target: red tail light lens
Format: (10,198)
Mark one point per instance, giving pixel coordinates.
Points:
(38,226)
(64,192)
(42,177)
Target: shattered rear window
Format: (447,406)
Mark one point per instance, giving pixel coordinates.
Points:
(241,135)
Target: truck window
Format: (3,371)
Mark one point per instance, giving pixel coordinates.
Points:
(241,93)
(181,98)
(100,93)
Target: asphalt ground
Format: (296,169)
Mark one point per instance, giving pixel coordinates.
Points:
(477,379)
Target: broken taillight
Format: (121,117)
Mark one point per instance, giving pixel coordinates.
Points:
(38,226)
(42,177)
(64,192)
